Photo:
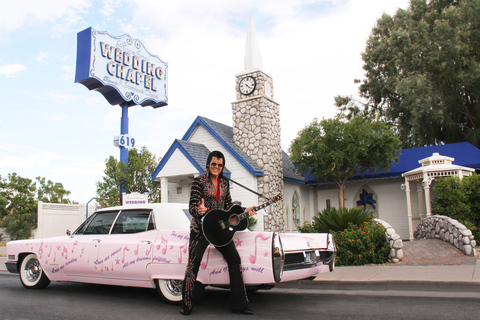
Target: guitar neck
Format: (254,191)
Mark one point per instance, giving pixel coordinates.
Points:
(245,215)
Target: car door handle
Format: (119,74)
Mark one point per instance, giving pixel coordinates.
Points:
(146,241)
(98,240)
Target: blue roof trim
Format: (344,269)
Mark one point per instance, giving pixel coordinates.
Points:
(251,167)
(178,145)
(175,145)
(294,180)
(465,154)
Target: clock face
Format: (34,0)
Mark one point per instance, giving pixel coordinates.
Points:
(247,85)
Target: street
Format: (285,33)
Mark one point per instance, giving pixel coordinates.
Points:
(85,301)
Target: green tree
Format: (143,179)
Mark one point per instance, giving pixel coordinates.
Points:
(18,206)
(423,73)
(335,150)
(19,202)
(138,177)
(52,192)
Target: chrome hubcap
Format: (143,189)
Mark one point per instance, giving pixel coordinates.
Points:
(32,270)
(174,286)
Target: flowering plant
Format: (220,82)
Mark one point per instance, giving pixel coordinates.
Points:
(361,244)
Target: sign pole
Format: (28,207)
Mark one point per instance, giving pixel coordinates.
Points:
(125,73)
(123,148)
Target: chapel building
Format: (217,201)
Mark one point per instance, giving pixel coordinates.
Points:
(255,160)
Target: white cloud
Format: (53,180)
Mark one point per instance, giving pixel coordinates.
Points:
(61,97)
(17,14)
(57,117)
(41,57)
(11,70)
(26,157)
(69,72)
(109,7)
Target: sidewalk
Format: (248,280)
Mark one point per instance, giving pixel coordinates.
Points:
(3,258)
(464,277)
(428,265)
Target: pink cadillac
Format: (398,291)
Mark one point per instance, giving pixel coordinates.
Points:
(147,246)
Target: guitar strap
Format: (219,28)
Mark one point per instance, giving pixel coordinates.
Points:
(258,194)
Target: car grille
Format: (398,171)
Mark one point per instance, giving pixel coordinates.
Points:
(306,259)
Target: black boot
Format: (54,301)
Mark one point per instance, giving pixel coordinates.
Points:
(185,311)
(244,311)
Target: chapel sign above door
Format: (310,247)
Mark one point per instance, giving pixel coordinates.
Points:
(121,69)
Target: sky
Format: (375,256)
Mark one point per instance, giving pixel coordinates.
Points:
(55,128)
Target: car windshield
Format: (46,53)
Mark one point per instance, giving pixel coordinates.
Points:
(101,223)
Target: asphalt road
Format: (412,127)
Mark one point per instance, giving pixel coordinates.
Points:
(84,301)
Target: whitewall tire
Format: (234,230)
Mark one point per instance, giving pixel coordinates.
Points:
(31,273)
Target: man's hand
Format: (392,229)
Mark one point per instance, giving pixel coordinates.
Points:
(201,208)
(250,211)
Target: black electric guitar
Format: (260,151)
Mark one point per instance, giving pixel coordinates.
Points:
(219,226)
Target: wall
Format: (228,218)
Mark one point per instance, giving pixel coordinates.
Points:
(55,218)
(391,201)
(4,236)
(305,195)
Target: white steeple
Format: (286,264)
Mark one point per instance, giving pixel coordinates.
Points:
(253,58)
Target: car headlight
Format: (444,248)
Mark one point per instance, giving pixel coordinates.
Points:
(310,257)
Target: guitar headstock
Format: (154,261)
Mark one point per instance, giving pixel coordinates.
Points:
(275,198)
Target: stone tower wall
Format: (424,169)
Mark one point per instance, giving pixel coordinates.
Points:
(256,131)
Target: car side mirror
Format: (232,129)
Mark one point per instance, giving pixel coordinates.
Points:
(68,233)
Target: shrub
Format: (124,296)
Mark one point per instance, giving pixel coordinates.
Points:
(251,223)
(459,200)
(451,198)
(307,228)
(361,244)
(359,239)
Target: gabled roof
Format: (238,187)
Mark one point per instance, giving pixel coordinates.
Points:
(224,135)
(290,173)
(196,153)
(465,155)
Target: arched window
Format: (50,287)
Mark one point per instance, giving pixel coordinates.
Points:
(366,200)
(295,209)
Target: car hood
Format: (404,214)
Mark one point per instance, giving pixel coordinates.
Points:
(304,241)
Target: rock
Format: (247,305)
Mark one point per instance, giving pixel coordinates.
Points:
(400,254)
(467,249)
(398,244)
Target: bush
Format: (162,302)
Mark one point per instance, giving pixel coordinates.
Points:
(359,239)
(251,223)
(459,200)
(361,244)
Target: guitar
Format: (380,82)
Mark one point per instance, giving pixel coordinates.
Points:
(219,226)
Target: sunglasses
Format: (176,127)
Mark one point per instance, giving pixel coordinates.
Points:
(214,164)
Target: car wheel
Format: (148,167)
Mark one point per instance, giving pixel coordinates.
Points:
(31,273)
(169,290)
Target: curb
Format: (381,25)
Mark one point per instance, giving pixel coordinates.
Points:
(384,285)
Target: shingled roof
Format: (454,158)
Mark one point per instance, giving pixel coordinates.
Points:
(465,154)
(197,153)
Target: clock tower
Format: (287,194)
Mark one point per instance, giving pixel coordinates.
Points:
(256,127)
